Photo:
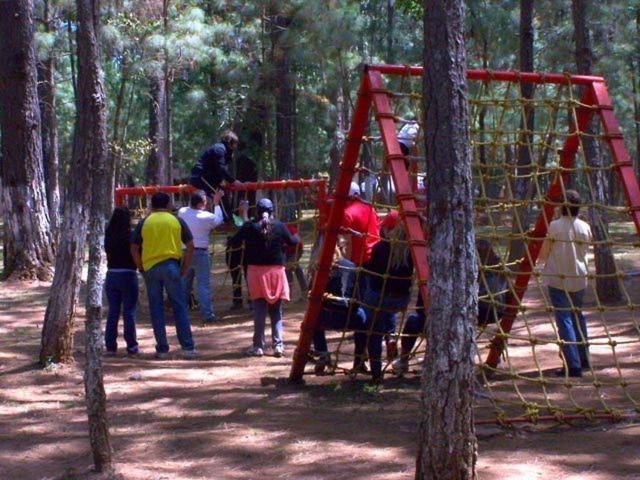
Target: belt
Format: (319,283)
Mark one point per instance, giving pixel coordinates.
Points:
(201,248)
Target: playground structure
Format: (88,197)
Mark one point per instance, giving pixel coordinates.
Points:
(517,355)
(295,201)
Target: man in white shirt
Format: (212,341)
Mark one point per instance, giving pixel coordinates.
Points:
(201,223)
(565,252)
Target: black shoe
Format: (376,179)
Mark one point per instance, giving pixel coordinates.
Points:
(212,319)
(360,367)
(573,372)
(236,306)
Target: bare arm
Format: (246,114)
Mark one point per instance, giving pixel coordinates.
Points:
(544,252)
(135,254)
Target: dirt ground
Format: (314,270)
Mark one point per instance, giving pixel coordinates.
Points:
(226,416)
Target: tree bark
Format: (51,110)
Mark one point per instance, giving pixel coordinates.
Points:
(115,148)
(87,148)
(283,89)
(336,136)
(390,31)
(88,19)
(447,448)
(635,68)
(72,61)
(607,288)
(27,233)
(156,173)
(522,184)
(49,130)
(168,90)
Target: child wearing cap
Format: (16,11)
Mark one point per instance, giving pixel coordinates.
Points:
(264,239)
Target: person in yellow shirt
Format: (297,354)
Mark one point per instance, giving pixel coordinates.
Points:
(565,272)
(156,248)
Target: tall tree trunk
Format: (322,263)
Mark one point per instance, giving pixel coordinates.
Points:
(390,31)
(88,19)
(47,96)
(87,140)
(336,135)
(156,173)
(522,185)
(115,150)
(448,447)
(283,89)
(168,90)
(72,59)
(635,69)
(27,233)
(607,288)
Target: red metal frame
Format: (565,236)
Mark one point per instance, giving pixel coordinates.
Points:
(320,184)
(373,94)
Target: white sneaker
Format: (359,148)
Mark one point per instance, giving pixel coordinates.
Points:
(255,352)
(400,366)
(278,351)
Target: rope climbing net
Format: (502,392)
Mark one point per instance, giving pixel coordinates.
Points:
(295,203)
(535,138)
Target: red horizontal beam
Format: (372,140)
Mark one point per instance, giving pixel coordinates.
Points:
(500,75)
(246,186)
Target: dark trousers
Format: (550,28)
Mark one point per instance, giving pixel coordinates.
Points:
(233,257)
(122,295)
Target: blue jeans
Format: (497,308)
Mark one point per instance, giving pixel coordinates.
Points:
(381,319)
(200,268)
(122,294)
(572,326)
(260,308)
(338,320)
(167,275)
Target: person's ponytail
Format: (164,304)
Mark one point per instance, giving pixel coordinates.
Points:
(265,225)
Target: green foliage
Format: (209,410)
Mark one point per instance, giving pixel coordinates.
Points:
(218,54)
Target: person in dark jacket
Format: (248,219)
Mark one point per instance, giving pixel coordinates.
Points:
(387,291)
(121,284)
(492,292)
(211,171)
(264,238)
(339,311)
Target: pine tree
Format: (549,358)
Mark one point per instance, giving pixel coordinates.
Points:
(28,241)
(447,448)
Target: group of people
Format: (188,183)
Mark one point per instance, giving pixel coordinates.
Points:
(371,280)
(369,284)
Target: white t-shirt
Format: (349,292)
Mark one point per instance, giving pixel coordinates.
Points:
(408,133)
(200,222)
(566,267)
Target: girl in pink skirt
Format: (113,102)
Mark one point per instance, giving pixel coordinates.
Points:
(264,239)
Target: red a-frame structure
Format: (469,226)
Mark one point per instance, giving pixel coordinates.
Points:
(373,95)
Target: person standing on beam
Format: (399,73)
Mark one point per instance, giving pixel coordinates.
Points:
(211,171)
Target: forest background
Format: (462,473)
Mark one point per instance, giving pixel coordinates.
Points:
(283,74)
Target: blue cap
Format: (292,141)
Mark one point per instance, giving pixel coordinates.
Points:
(265,205)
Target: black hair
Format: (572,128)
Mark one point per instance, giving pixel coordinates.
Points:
(120,223)
(160,201)
(197,198)
(571,207)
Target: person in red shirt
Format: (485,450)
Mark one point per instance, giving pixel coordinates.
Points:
(360,222)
